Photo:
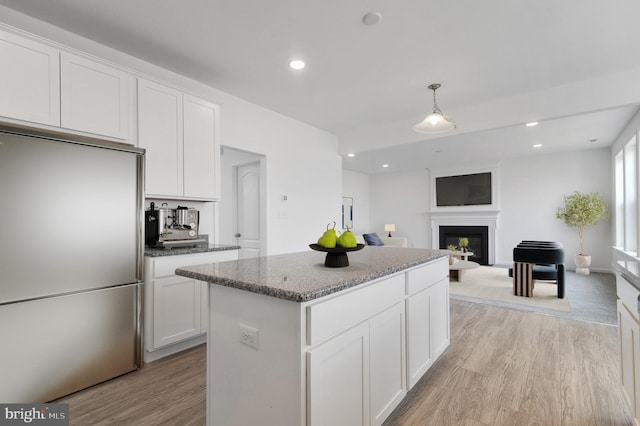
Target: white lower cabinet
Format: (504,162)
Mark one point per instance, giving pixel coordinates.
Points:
(176,308)
(338,375)
(387,366)
(358,377)
(629,336)
(427,318)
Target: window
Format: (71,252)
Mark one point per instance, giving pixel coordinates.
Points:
(630,197)
(626,197)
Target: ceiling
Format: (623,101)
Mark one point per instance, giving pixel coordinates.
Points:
(572,65)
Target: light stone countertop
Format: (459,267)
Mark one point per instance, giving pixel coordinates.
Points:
(302,276)
(200,248)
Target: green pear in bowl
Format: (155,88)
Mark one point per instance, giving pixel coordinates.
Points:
(329,238)
(347,240)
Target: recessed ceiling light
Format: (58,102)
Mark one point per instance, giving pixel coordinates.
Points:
(538,145)
(385,165)
(296,64)
(372,18)
(531,124)
(351,154)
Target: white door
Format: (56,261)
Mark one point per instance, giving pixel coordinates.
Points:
(248,209)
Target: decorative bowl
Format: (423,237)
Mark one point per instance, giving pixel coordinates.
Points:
(336,257)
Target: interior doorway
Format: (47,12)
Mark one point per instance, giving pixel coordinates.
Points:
(242,210)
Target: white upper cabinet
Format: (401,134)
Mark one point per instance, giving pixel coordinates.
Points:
(160,133)
(201,148)
(95,98)
(180,135)
(48,87)
(29,80)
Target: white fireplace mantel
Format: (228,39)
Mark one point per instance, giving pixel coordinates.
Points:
(488,218)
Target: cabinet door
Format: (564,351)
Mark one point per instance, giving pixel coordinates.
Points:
(628,329)
(201,149)
(418,341)
(438,318)
(387,362)
(29,80)
(160,133)
(176,310)
(95,98)
(338,380)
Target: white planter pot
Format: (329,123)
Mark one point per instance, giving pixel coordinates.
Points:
(582,263)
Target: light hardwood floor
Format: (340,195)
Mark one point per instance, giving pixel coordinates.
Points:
(504,367)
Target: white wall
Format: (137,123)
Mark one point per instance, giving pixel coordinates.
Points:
(302,161)
(531,190)
(402,198)
(356,186)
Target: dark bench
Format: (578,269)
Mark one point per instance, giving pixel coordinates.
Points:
(545,261)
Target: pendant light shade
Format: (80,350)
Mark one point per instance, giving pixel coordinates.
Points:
(435,122)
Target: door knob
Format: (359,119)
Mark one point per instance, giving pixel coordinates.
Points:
(238,235)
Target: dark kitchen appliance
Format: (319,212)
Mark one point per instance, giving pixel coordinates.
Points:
(172,228)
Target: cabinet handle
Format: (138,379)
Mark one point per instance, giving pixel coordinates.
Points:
(238,235)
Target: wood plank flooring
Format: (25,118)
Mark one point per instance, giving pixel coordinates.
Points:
(504,367)
(512,367)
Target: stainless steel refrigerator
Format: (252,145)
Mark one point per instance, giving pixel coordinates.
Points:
(70,264)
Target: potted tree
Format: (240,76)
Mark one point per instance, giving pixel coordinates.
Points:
(581,211)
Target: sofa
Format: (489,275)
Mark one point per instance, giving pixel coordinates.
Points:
(386,241)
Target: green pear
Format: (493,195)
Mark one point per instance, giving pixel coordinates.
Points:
(329,238)
(347,240)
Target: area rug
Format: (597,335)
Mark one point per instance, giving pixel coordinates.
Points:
(494,284)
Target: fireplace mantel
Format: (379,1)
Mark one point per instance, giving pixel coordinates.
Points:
(488,218)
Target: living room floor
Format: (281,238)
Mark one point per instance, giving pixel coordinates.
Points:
(591,298)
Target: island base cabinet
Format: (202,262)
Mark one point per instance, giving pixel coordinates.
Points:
(340,359)
(388,384)
(338,375)
(427,328)
(358,377)
(256,381)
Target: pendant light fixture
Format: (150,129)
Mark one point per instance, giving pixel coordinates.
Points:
(435,122)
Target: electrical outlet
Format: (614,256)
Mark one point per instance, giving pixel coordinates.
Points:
(249,336)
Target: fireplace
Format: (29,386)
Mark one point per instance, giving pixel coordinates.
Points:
(485,219)
(478,237)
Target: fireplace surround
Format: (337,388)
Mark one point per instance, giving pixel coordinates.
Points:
(486,219)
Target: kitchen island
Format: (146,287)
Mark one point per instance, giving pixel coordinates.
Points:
(292,342)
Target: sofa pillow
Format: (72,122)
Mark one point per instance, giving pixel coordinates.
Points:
(372,239)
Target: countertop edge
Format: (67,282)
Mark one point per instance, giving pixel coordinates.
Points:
(158,252)
(301,297)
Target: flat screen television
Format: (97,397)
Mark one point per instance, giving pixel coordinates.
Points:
(463,190)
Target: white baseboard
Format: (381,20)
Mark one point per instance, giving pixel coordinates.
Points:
(174,349)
